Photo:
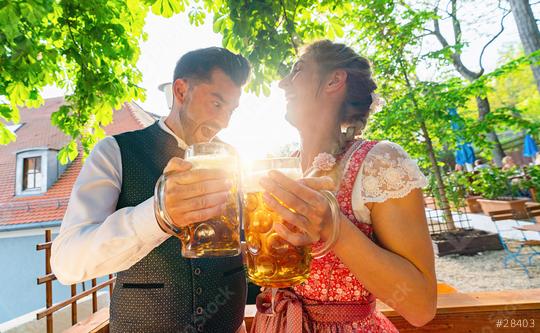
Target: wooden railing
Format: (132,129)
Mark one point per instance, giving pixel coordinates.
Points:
(48,279)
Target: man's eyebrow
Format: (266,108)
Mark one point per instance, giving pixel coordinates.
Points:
(218,96)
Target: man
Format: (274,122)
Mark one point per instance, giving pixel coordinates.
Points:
(508,163)
(110,224)
(479,164)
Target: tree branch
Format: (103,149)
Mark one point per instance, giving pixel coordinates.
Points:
(289,23)
(455,23)
(456,55)
(494,37)
(426,34)
(438,34)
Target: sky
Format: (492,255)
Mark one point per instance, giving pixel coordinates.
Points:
(258,125)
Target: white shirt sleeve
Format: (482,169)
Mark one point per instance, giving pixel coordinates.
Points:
(387,172)
(95,239)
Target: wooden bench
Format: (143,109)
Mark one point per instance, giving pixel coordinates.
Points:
(456,312)
(97,323)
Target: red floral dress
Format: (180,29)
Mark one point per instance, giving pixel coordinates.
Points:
(332,300)
(330,280)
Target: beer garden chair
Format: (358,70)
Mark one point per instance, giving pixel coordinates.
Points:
(517,250)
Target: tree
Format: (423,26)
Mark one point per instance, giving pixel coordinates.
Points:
(88,47)
(92,48)
(452,53)
(417,113)
(517,89)
(528,31)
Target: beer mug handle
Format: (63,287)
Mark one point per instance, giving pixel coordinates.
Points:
(336,215)
(161,210)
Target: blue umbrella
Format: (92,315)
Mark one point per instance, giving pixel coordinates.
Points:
(529,146)
(465,154)
(460,157)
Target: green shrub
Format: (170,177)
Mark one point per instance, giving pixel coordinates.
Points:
(494,183)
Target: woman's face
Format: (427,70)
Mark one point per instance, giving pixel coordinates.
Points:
(301,91)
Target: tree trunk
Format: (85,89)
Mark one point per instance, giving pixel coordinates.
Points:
(497,151)
(528,31)
(445,206)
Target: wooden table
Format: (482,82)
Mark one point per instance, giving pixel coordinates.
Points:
(530,227)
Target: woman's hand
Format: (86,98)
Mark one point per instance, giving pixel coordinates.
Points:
(311,217)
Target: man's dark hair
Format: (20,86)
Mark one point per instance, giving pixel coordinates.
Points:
(199,64)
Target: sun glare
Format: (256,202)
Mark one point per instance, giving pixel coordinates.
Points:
(258,127)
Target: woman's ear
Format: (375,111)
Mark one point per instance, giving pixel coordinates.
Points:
(336,80)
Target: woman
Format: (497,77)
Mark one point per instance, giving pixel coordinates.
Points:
(384,248)
(508,163)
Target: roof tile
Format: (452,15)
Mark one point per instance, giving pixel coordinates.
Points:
(38,132)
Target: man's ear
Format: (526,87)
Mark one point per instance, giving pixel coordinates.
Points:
(336,80)
(179,88)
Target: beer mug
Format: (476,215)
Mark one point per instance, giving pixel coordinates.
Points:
(272,261)
(220,235)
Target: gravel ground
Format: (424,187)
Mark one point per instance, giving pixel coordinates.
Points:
(485,271)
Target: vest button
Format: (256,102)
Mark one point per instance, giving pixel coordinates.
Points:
(199,310)
(200,328)
(198,291)
(197,271)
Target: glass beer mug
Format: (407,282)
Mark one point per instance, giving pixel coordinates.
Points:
(220,235)
(272,261)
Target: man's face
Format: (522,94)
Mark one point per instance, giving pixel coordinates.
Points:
(207,107)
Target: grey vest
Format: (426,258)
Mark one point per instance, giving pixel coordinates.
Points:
(165,292)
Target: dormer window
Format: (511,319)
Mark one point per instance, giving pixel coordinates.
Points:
(14,128)
(32,176)
(36,171)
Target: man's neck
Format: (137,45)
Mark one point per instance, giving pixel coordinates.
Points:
(172,121)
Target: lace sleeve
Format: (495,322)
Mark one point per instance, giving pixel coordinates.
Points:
(388,172)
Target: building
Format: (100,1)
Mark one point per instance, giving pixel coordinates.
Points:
(34,192)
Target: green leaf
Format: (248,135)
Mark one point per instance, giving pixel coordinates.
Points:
(6,136)
(68,153)
(168,8)
(18,93)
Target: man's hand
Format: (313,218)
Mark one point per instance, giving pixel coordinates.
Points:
(193,196)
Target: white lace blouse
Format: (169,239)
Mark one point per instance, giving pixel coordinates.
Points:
(386,173)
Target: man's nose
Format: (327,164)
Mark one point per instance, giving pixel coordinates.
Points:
(223,118)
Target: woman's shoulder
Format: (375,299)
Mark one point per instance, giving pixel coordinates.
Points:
(386,151)
(385,146)
(376,153)
(389,172)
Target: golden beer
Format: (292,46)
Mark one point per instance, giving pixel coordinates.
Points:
(220,235)
(271,261)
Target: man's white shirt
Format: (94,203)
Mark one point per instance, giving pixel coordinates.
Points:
(95,239)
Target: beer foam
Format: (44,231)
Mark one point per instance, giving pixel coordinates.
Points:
(250,183)
(214,161)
